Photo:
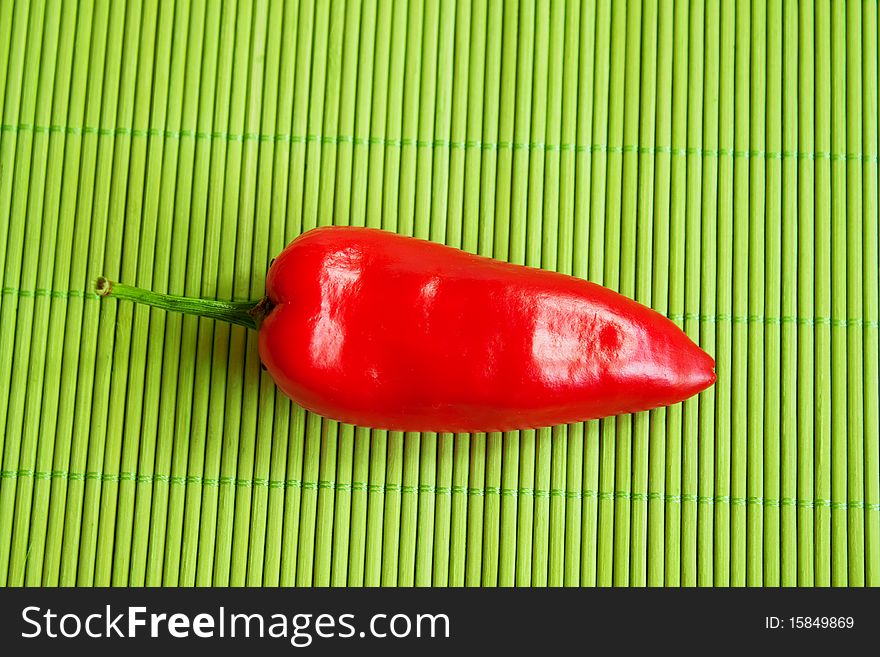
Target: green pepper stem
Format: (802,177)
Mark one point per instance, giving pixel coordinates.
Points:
(244,313)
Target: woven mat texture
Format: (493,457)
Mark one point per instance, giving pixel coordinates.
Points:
(715,160)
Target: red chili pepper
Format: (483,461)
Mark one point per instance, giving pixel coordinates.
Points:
(391,332)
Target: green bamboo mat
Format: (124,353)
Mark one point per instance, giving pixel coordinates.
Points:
(717,161)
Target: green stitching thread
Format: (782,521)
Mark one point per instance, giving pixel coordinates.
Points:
(55,294)
(852,322)
(359,486)
(439,143)
(428,489)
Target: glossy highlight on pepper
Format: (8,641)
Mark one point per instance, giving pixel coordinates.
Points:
(388,331)
(391,332)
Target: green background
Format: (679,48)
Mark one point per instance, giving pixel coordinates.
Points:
(717,161)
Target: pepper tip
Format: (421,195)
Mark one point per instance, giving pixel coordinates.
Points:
(103,286)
